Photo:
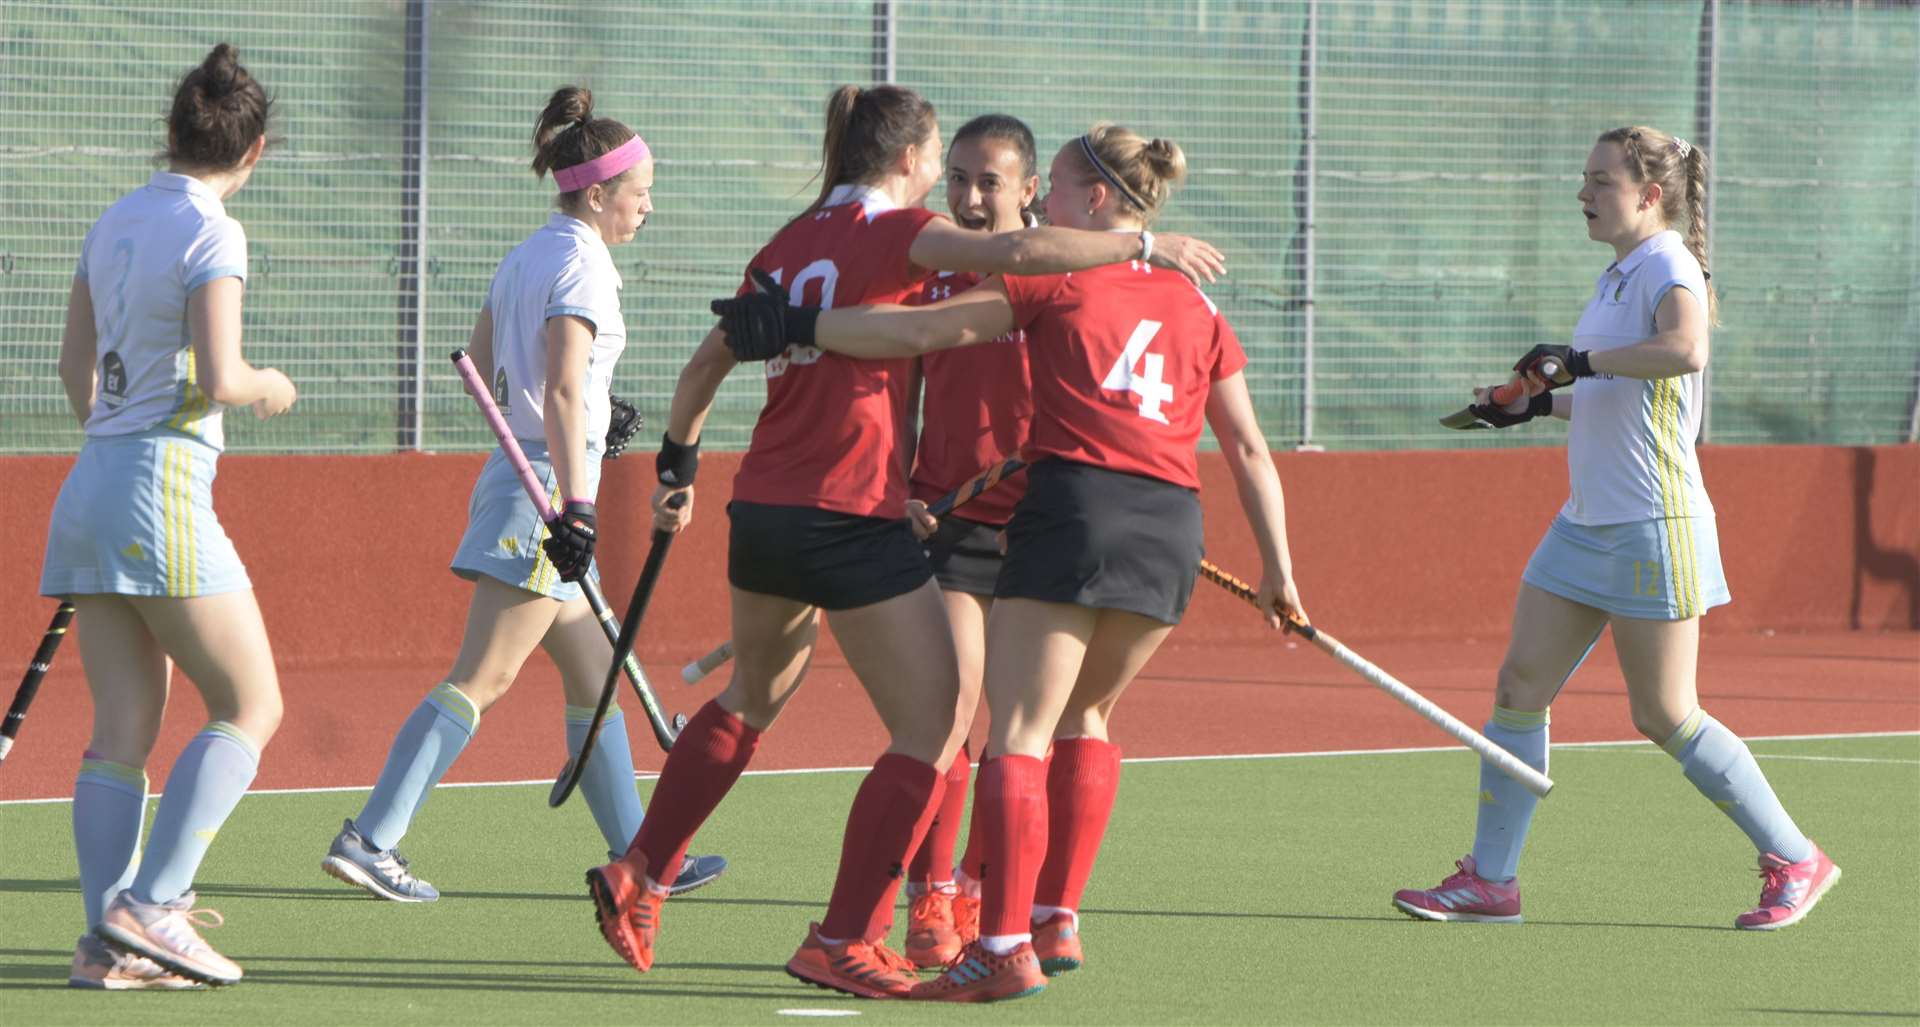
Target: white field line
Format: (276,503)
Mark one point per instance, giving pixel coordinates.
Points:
(1624,743)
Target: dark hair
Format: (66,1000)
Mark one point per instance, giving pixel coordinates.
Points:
(218,111)
(569,134)
(868,129)
(1007,129)
(1681,169)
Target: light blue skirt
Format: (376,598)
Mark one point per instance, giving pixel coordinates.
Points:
(504,531)
(1666,569)
(135,518)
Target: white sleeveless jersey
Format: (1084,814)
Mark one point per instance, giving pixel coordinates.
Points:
(1630,454)
(564,268)
(140,261)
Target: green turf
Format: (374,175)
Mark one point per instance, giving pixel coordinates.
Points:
(1234,891)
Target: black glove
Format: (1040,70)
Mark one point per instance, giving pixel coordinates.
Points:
(570,539)
(1539,406)
(1573,364)
(761,325)
(621,428)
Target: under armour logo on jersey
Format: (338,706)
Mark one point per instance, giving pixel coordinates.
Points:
(940,292)
(823,215)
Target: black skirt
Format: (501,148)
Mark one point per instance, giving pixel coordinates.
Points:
(965,555)
(1105,540)
(835,561)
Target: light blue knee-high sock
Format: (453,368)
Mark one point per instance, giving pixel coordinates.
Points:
(428,743)
(608,781)
(1506,807)
(109,809)
(1720,765)
(203,787)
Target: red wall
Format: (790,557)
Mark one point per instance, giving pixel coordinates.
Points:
(348,554)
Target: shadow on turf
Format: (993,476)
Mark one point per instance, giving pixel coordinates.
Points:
(34,968)
(22,969)
(1839,1012)
(452,980)
(1385,918)
(350,893)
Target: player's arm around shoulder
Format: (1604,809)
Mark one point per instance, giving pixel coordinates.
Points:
(881,331)
(1230,414)
(1051,249)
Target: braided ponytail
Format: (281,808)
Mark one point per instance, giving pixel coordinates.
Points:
(1695,168)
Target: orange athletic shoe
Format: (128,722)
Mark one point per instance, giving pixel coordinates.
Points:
(932,940)
(977,975)
(1057,944)
(966,917)
(860,968)
(628,912)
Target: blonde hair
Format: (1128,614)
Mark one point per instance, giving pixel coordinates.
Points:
(1147,170)
(1680,169)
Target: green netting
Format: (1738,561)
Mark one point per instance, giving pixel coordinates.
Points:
(1447,141)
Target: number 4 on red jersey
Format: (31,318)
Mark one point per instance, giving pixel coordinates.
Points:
(1150,384)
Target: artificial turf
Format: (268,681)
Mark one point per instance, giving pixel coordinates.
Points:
(1230,891)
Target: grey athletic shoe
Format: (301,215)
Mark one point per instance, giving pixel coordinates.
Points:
(695,872)
(383,873)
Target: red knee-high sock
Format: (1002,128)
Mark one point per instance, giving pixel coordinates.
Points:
(1011,800)
(1082,780)
(889,818)
(934,860)
(976,839)
(705,762)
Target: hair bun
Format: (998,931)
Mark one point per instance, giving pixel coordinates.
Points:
(220,71)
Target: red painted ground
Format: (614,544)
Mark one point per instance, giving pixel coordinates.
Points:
(1275,695)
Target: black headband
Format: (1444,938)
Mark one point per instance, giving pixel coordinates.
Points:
(1086,146)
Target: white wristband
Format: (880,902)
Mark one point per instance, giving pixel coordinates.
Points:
(1146,246)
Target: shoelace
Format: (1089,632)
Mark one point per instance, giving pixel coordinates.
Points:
(966,915)
(178,928)
(892,961)
(1460,877)
(1776,880)
(879,956)
(934,906)
(395,866)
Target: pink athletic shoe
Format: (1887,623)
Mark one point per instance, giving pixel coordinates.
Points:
(1463,896)
(1790,890)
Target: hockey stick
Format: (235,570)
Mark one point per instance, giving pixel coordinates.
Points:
(622,655)
(36,670)
(1508,764)
(1464,419)
(663,732)
(968,491)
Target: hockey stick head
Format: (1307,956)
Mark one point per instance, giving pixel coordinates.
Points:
(563,785)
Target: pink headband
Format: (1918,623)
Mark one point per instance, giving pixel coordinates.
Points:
(603,167)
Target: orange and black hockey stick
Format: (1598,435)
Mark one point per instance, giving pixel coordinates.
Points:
(1507,763)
